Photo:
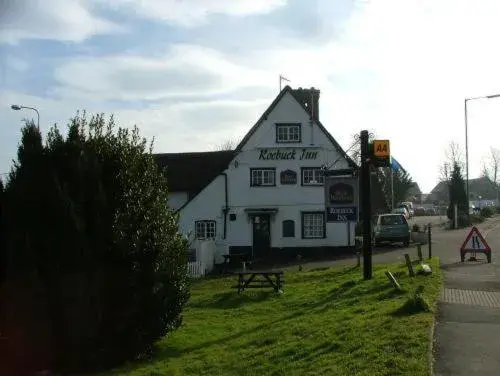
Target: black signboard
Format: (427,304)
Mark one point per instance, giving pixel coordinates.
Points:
(341,198)
(342,214)
(288,177)
(341,193)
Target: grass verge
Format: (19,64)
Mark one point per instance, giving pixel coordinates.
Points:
(327,322)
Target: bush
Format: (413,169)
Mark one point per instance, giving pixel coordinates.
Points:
(487,212)
(88,223)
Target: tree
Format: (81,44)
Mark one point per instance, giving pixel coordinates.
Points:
(491,166)
(452,157)
(402,181)
(3,254)
(457,194)
(226,145)
(88,224)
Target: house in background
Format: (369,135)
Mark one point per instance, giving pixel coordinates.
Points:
(479,189)
(266,197)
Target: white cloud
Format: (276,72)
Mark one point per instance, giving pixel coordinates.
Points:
(184,71)
(65,20)
(401,69)
(190,13)
(176,127)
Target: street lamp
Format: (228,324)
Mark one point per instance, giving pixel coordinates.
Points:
(17,107)
(467,147)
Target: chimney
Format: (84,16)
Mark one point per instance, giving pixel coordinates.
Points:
(309,98)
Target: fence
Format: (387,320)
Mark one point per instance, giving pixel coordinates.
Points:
(196,269)
(204,260)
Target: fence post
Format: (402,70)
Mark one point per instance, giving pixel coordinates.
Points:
(429,234)
(419,252)
(409,265)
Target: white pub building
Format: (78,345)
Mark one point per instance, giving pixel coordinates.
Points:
(265,198)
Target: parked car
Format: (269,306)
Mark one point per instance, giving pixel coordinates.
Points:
(393,228)
(409,206)
(420,211)
(402,210)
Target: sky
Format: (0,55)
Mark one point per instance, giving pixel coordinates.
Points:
(195,73)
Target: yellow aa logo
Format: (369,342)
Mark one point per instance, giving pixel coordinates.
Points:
(381,148)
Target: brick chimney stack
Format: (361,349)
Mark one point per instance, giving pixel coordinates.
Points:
(309,98)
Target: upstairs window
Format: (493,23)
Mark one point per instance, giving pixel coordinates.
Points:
(262,177)
(205,229)
(288,133)
(313,176)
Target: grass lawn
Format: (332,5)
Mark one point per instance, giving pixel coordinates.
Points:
(327,322)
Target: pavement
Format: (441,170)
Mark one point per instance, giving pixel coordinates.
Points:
(467,331)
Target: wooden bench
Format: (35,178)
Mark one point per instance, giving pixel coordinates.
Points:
(247,280)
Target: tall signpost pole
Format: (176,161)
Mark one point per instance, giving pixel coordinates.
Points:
(366,206)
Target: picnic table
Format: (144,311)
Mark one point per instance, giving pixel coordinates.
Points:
(270,278)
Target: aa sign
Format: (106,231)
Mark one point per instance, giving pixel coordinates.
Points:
(381,148)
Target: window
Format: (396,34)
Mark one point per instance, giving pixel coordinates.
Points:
(205,229)
(313,225)
(313,176)
(288,228)
(288,133)
(262,177)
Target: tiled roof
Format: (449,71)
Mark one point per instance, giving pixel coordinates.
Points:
(191,172)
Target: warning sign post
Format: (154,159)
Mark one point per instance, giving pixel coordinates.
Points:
(475,243)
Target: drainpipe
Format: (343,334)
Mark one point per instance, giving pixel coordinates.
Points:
(226,206)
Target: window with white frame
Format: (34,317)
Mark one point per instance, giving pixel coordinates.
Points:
(205,229)
(313,176)
(288,133)
(313,225)
(262,177)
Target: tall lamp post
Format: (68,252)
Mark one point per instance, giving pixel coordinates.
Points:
(17,107)
(467,148)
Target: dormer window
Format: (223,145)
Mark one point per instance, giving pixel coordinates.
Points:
(288,133)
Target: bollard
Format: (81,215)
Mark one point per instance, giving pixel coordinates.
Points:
(409,265)
(429,234)
(419,252)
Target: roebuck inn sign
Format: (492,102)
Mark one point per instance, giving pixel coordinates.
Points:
(286,154)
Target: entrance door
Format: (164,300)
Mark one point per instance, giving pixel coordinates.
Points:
(261,236)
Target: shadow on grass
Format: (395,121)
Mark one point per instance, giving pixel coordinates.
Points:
(231,299)
(416,303)
(165,350)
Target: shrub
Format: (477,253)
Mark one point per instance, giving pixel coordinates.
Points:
(487,212)
(88,223)
(474,218)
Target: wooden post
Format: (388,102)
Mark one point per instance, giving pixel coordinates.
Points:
(429,234)
(366,206)
(393,280)
(419,252)
(409,265)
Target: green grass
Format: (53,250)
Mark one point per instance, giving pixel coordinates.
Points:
(327,322)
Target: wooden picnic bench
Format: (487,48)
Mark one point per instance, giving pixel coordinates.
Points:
(249,280)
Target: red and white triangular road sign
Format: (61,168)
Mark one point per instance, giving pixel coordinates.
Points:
(474,242)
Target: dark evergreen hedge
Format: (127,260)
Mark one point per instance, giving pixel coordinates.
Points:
(91,240)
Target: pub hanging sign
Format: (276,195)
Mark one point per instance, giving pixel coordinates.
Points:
(341,198)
